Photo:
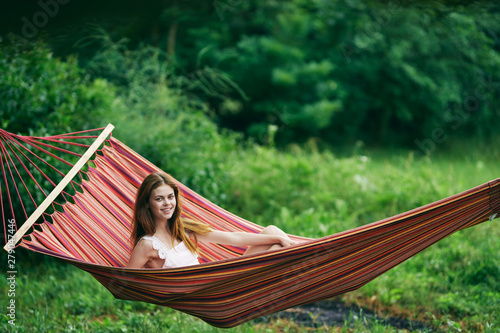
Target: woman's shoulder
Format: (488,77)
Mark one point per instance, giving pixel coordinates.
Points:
(145,244)
(155,243)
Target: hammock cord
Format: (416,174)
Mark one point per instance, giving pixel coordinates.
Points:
(17,166)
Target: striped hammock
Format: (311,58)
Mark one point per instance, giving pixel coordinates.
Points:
(91,227)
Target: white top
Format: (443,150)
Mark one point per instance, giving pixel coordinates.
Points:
(177,256)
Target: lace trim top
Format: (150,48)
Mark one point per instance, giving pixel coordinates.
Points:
(177,256)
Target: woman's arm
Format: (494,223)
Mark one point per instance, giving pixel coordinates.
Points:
(243,238)
(141,254)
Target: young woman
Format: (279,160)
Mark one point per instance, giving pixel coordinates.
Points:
(162,239)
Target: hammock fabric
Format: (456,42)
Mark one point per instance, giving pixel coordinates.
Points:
(91,231)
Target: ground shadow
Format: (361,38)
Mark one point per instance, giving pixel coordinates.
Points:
(335,313)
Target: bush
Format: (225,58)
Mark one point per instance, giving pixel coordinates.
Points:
(42,95)
(168,125)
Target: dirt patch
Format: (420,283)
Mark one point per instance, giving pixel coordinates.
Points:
(335,313)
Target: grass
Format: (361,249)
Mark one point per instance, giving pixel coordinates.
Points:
(452,286)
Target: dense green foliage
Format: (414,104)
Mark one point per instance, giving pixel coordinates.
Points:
(340,69)
(43,95)
(392,73)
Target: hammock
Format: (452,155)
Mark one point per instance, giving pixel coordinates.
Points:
(91,229)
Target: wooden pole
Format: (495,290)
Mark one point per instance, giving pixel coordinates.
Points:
(11,243)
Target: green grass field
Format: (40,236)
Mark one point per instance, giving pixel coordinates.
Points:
(452,286)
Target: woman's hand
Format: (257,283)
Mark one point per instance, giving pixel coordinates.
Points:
(285,242)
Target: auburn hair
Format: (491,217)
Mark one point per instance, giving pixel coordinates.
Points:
(143,222)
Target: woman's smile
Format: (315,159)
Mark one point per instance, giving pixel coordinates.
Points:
(167,210)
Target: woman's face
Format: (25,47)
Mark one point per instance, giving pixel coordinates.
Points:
(162,203)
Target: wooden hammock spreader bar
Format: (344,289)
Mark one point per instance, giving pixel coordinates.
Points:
(58,189)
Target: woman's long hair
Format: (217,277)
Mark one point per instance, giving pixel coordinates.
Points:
(143,222)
